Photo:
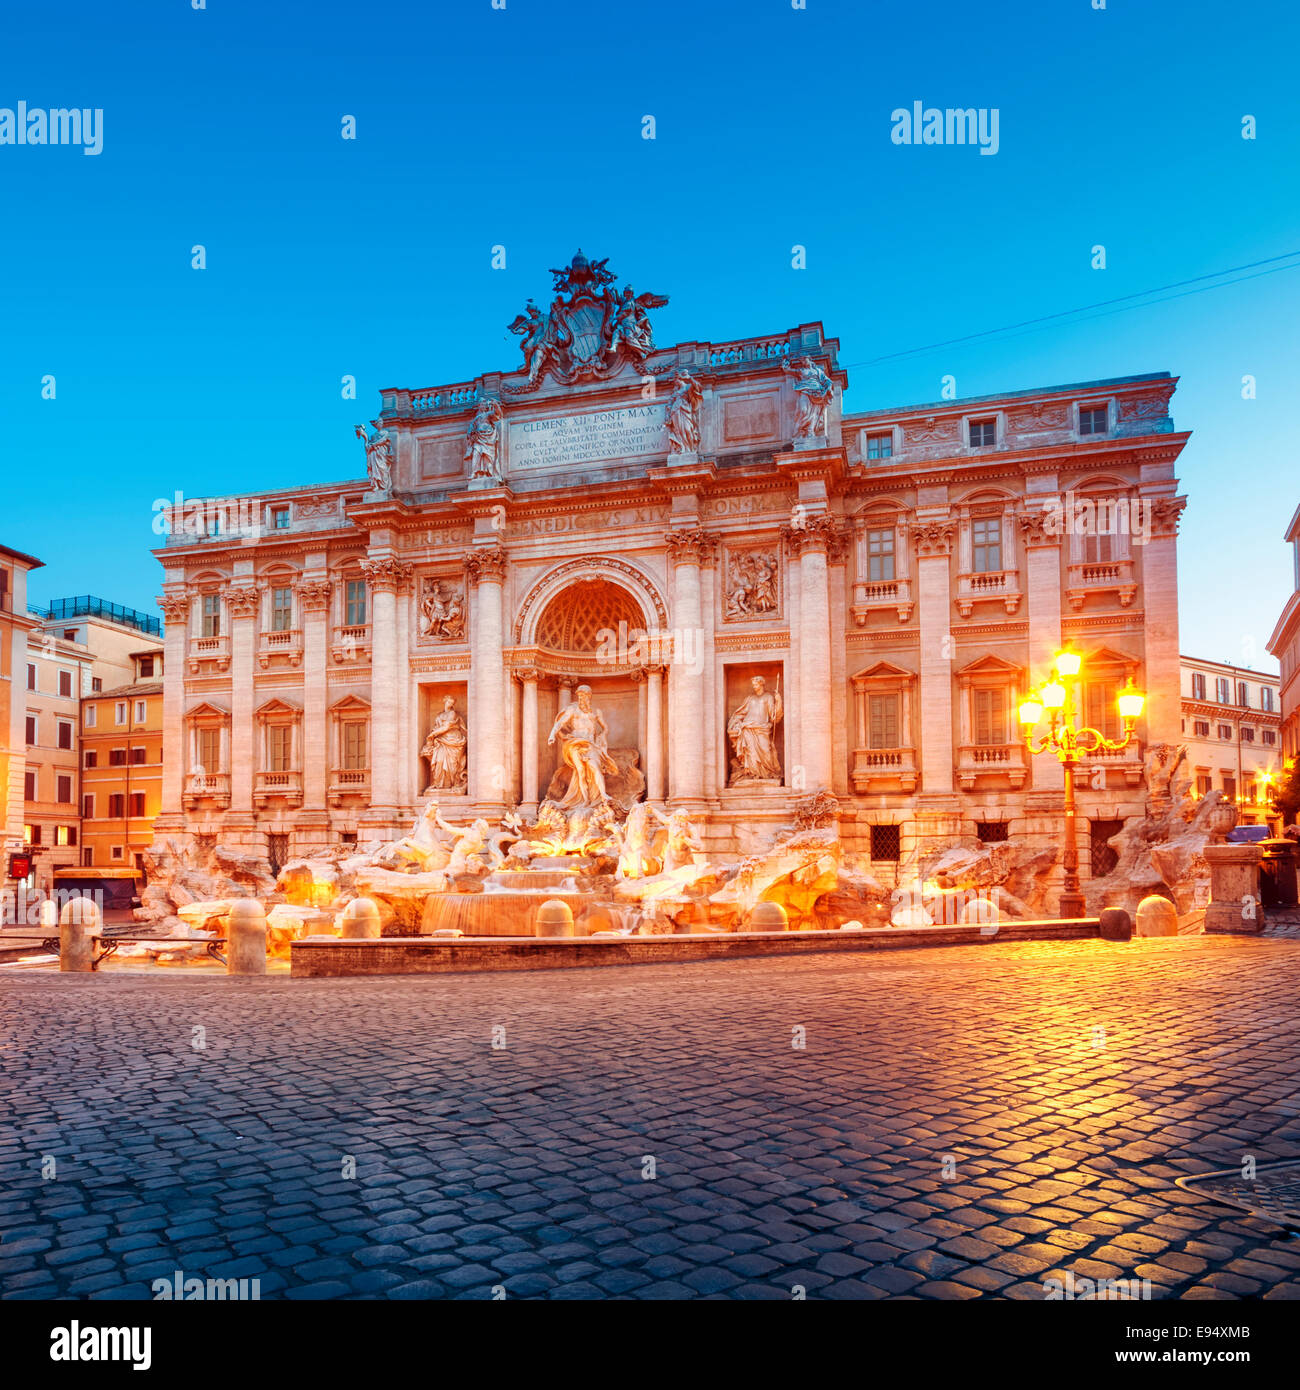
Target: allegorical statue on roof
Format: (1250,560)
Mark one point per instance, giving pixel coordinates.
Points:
(813,390)
(379,456)
(483,442)
(683,418)
(591,327)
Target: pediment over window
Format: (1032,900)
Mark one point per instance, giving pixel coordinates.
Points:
(350,704)
(207,709)
(883,671)
(278,705)
(991,667)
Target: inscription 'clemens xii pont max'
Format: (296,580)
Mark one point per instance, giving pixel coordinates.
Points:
(597,434)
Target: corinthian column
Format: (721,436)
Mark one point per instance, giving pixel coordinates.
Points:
(1160,635)
(313,604)
(528,678)
(1042,543)
(814,711)
(176,612)
(487,725)
(686,711)
(241,606)
(384,576)
(934,598)
(654,747)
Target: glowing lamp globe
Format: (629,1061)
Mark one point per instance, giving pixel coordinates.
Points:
(1067,663)
(1053,695)
(1130,703)
(1031,711)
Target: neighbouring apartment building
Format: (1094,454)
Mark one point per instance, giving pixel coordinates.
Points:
(665,525)
(1231,726)
(1285,646)
(16,623)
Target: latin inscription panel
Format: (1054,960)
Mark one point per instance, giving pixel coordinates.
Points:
(558,441)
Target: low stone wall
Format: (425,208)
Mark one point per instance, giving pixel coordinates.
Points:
(420,955)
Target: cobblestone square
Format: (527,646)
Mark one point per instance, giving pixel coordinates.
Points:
(942,1124)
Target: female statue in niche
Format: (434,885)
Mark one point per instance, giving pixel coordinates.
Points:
(445,749)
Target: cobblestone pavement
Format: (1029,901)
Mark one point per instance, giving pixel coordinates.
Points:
(960,1123)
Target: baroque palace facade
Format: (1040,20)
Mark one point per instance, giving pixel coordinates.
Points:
(664,526)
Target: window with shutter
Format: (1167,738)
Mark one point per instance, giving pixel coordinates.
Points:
(884,721)
(1100,711)
(278,748)
(991,716)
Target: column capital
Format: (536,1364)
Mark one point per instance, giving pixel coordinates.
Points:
(314,594)
(386,573)
(175,608)
(1165,514)
(824,532)
(933,538)
(486,563)
(527,675)
(690,547)
(1041,527)
(242,600)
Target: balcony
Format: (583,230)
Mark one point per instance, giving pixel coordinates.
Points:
(999,585)
(1128,760)
(277,786)
(882,593)
(347,782)
(209,649)
(280,647)
(1107,576)
(986,762)
(884,769)
(206,791)
(351,644)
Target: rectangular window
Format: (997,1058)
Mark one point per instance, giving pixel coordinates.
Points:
(355,614)
(1092,419)
(65,835)
(211,626)
(884,721)
(137,804)
(1100,711)
(139,755)
(886,842)
(986,544)
(277,747)
(31,676)
(1269,737)
(1223,690)
(1266,697)
(209,750)
(116,805)
(983,433)
(1229,788)
(1201,728)
(96,685)
(1104,856)
(354,746)
(63,790)
(88,806)
(87,858)
(65,685)
(1098,550)
(65,734)
(115,852)
(1203,783)
(880,555)
(880,446)
(31,731)
(992,832)
(1243,694)
(117,757)
(146,667)
(1247,735)
(1225,731)
(990,716)
(1198,685)
(29,785)
(119,712)
(90,715)
(32,834)
(280,518)
(281,610)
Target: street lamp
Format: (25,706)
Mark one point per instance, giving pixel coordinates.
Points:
(1070,742)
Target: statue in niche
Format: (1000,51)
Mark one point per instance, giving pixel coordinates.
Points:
(751,585)
(813,389)
(379,456)
(584,749)
(445,749)
(483,442)
(684,415)
(752,731)
(442,611)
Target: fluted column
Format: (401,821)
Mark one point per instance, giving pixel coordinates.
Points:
(686,712)
(241,607)
(176,612)
(384,576)
(313,605)
(1042,588)
(487,571)
(814,707)
(934,599)
(1160,604)
(654,747)
(528,678)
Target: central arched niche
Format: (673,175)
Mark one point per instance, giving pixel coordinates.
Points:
(580,617)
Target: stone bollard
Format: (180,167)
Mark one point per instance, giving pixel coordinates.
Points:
(79,929)
(767,916)
(359,921)
(1116,924)
(1157,916)
(979,912)
(47,916)
(1234,890)
(246,938)
(554,918)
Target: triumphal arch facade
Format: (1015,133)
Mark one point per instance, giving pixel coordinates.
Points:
(763,597)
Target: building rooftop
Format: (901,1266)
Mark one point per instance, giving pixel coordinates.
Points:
(61,610)
(135,688)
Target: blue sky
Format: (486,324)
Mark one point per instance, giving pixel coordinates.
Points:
(522,127)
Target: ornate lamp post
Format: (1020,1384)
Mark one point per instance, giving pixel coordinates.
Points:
(1070,742)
